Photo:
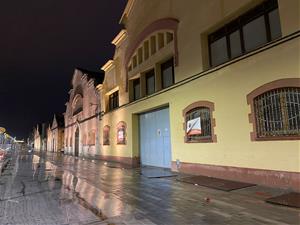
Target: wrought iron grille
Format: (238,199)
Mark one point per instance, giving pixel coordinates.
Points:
(204,114)
(277,113)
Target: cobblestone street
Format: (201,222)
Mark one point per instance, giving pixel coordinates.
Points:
(35,190)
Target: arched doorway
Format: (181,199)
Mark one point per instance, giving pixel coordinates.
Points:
(77,142)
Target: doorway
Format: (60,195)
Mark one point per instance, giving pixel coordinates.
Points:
(77,142)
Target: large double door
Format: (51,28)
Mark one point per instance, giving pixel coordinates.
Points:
(155,146)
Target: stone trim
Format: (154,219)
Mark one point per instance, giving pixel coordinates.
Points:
(211,107)
(271,178)
(281,83)
(161,24)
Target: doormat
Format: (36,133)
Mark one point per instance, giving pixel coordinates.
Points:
(151,172)
(216,183)
(117,165)
(291,199)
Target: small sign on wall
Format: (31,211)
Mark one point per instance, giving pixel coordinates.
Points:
(194,127)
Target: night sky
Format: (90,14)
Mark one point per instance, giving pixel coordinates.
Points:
(41,42)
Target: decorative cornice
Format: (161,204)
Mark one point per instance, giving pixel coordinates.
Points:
(108,65)
(121,36)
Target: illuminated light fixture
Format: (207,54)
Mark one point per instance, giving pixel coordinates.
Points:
(2,130)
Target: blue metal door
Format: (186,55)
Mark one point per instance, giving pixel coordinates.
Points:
(155,145)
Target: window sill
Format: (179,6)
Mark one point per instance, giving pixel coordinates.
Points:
(206,140)
(278,138)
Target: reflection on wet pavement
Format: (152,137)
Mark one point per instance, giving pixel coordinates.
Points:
(57,189)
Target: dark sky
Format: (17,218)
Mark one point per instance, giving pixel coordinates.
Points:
(41,42)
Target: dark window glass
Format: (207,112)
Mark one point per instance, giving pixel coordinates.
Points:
(255,33)
(114,100)
(150,82)
(277,113)
(274,24)
(136,89)
(167,73)
(218,51)
(235,44)
(205,121)
(248,32)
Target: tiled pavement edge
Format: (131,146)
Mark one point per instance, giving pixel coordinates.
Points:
(166,201)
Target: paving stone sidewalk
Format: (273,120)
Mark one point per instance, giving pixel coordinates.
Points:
(167,201)
(57,189)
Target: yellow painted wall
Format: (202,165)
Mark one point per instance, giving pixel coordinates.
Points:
(227,88)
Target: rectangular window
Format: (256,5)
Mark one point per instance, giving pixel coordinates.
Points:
(153,44)
(113,100)
(150,82)
(235,44)
(146,50)
(140,55)
(255,33)
(160,40)
(167,73)
(218,51)
(247,33)
(136,89)
(274,24)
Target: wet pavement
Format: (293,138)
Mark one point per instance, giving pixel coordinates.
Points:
(56,189)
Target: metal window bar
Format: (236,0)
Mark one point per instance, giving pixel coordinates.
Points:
(204,114)
(277,113)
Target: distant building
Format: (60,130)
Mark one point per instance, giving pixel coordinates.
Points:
(55,134)
(81,116)
(40,137)
(203,87)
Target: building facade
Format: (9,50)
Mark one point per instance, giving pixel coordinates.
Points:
(55,134)
(82,112)
(40,137)
(204,87)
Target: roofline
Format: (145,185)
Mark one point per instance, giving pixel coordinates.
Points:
(127,11)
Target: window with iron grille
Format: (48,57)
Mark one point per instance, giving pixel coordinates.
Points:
(277,113)
(205,121)
(113,100)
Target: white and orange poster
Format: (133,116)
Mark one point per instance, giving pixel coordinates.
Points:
(194,127)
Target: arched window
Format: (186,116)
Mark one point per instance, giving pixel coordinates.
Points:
(199,123)
(275,110)
(77,104)
(106,135)
(277,113)
(121,133)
